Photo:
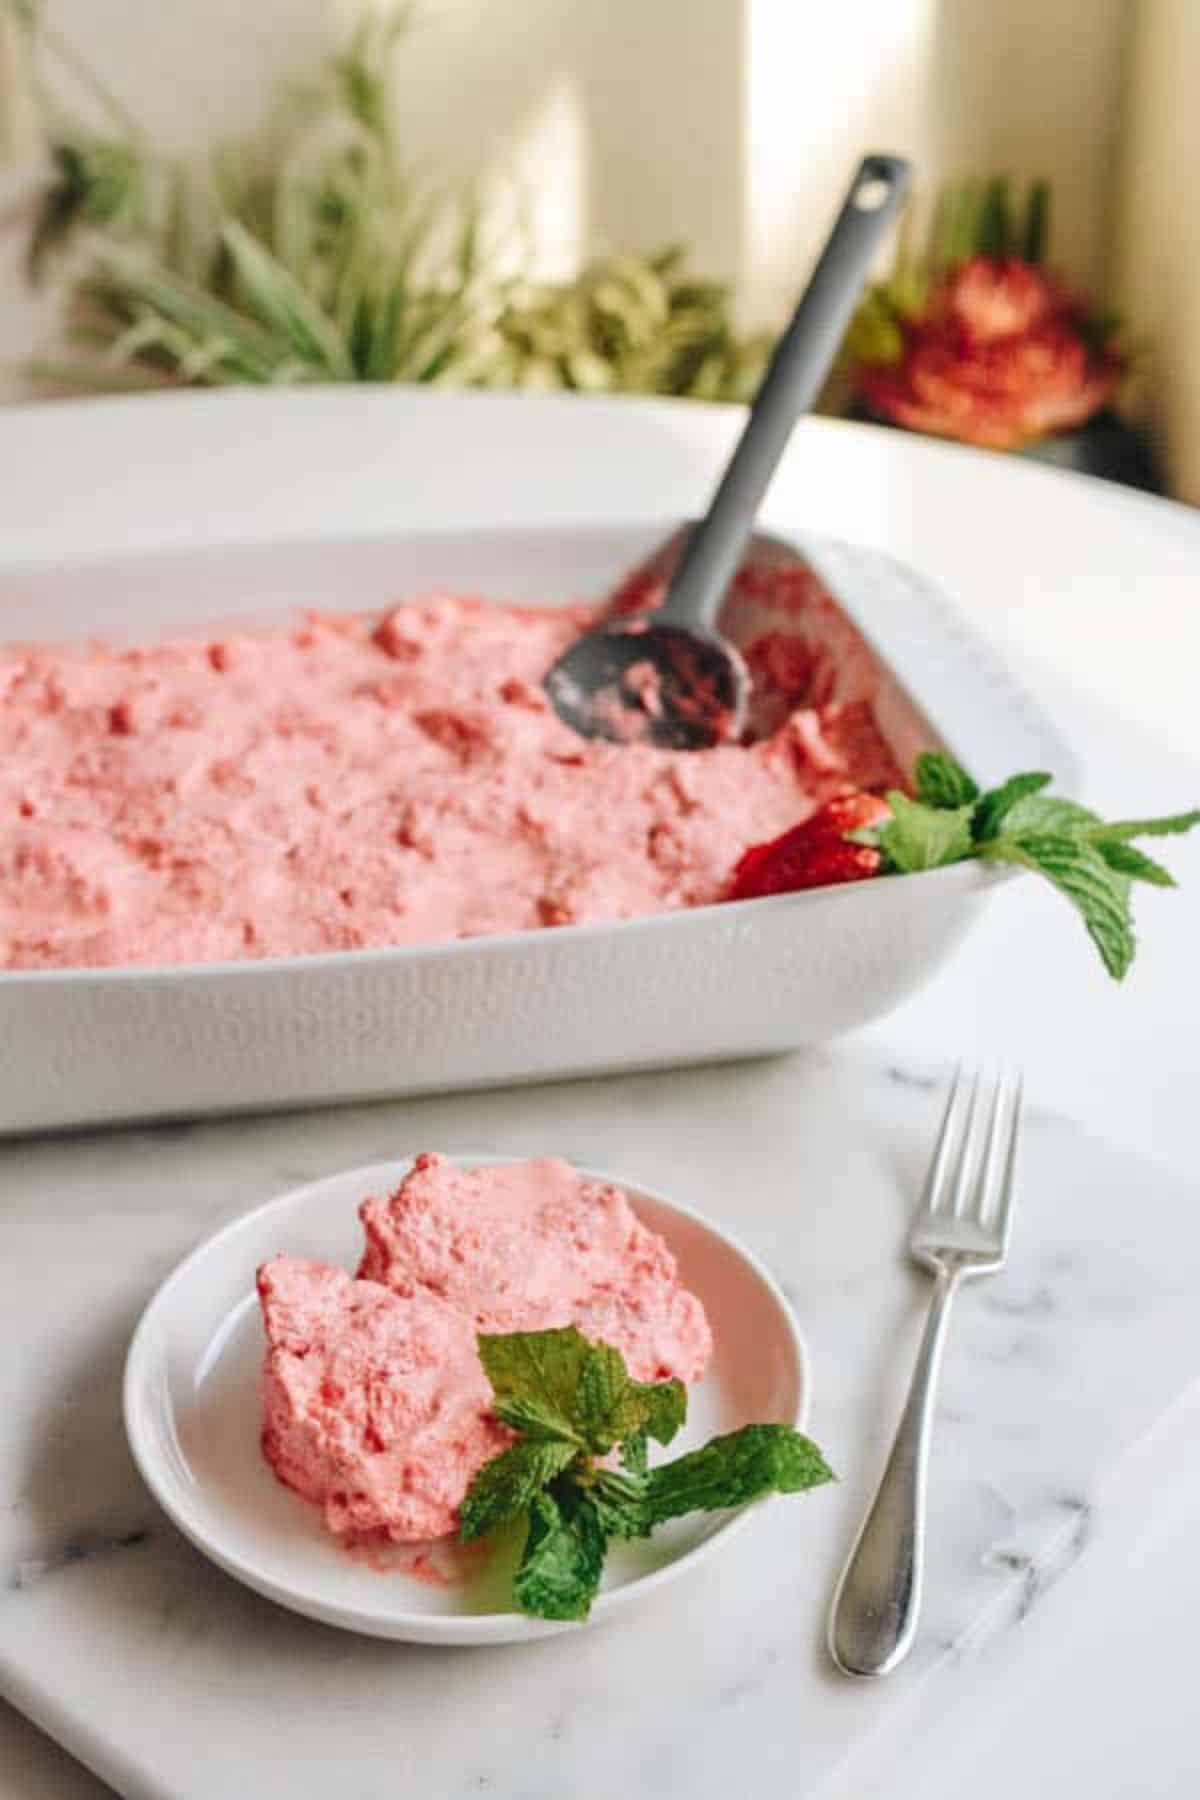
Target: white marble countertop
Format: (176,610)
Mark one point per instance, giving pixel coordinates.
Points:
(1080,1691)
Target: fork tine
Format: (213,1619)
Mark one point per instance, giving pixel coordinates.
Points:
(939,1168)
(986,1185)
(967,1164)
(1004,1198)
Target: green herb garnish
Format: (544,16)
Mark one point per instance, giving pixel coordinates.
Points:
(573,1402)
(1091,862)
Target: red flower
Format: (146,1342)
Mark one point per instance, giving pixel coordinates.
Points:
(988,299)
(1001,356)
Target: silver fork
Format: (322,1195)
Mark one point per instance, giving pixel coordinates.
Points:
(961,1229)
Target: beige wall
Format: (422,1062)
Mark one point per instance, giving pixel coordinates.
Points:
(1031,87)
(1159,231)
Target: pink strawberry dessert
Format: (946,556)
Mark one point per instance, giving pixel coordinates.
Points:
(525,1246)
(375,1405)
(363,780)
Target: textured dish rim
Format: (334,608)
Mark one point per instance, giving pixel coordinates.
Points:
(431,1628)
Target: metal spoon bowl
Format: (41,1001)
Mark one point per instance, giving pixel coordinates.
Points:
(653,684)
(667,676)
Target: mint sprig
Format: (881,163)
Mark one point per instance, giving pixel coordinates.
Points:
(560,1569)
(506,1487)
(574,1402)
(557,1386)
(942,783)
(1091,863)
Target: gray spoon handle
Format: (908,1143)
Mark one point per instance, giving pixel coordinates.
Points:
(800,363)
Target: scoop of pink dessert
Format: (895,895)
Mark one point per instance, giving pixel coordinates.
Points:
(375,1403)
(530,1245)
(375,1406)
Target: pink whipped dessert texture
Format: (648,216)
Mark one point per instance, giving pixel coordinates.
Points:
(375,1405)
(367,780)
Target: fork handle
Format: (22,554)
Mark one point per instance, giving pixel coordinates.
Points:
(875,1609)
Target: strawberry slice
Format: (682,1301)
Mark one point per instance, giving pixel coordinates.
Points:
(814,854)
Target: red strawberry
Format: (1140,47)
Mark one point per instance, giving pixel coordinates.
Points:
(814,854)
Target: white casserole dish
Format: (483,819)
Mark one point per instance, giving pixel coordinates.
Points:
(99,1045)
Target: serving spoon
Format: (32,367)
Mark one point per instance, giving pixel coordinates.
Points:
(666,676)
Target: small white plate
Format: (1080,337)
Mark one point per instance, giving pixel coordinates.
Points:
(192,1417)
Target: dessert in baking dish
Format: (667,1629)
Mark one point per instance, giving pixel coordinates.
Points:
(368,780)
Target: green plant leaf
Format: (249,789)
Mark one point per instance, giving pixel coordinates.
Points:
(1076,867)
(995,805)
(995,235)
(1132,862)
(535,1420)
(663,1406)
(941,782)
(611,1407)
(98,183)
(1042,815)
(603,1410)
(732,1470)
(180,320)
(559,1572)
(535,1376)
(968,201)
(1036,239)
(1168,825)
(506,1486)
(924,837)
(560,1388)
(633,1453)
(277,300)
(620,1502)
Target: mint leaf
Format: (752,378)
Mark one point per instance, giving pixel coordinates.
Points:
(995,805)
(730,1470)
(575,1400)
(557,1387)
(1076,867)
(633,1453)
(924,837)
(1046,815)
(620,1502)
(559,1572)
(1123,857)
(603,1386)
(942,783)
(1167,826)
(665,1404)
(535,1420)
(507,1485)
(535,1378)
(612,1406)
(1089,861)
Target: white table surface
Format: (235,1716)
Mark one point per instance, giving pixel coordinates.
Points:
(1091,587)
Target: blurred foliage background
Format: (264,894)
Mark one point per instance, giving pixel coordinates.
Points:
(315,254)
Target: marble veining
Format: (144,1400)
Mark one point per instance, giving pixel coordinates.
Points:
(171,1679)
(1061,1530)
(81,1548)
